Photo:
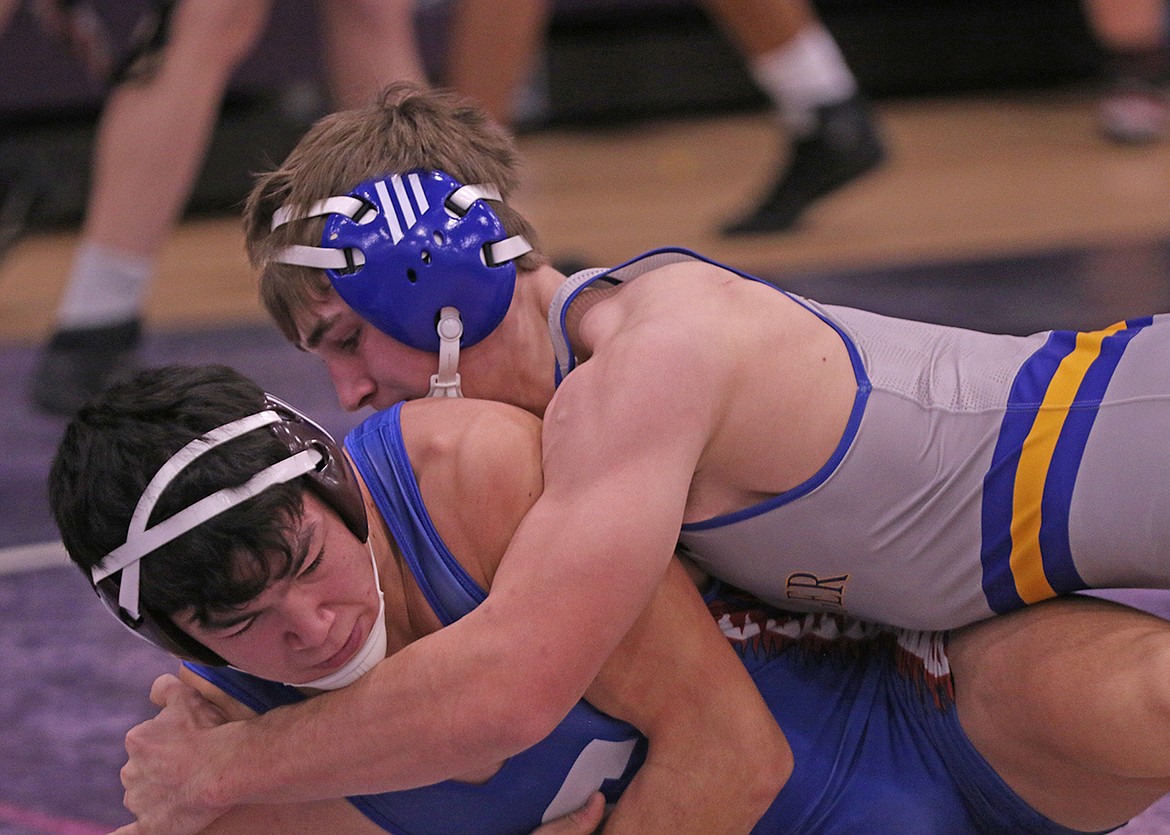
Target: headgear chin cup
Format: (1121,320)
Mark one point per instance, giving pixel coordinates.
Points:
(312,453)
(399,249)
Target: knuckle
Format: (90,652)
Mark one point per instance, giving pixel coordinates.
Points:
(133,740)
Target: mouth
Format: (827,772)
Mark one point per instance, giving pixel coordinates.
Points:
(351,646)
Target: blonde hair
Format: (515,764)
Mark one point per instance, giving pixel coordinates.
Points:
(408,127)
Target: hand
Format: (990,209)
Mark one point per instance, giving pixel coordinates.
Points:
(160,776)
(581,822)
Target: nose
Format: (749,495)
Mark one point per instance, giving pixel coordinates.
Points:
(353,385)
(307,623)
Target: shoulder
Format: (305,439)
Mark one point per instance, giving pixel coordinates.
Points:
(479,434)
(478,468)
(699,319)
(232,709)
(708,285)
(664,340)
(673,308)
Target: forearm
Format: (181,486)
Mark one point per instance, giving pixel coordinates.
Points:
(444,706)
(716,757)
(293,819)
(695,784)
(451,703)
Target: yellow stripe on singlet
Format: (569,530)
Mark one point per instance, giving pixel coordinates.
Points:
(1026,562)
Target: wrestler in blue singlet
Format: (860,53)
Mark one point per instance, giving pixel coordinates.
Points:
(868,711)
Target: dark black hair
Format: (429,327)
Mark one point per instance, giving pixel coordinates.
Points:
(119,440)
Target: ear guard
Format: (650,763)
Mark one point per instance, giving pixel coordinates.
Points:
(312,453)
(401,248)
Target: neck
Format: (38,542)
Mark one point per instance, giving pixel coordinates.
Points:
(515,364)
(544,282)
(579,308)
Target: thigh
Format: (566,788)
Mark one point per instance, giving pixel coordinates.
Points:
(1069,701)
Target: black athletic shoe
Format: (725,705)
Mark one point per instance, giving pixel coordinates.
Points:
(80,362)
(18,201)
(844,146)
(22,190)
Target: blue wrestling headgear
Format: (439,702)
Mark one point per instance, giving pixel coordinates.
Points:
(312,453)
(399,249)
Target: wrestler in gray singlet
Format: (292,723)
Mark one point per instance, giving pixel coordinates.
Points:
(978,472)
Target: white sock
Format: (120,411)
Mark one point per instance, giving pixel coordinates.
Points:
(105,287)
(806,73)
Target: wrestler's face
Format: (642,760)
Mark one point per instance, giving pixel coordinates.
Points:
(367,367)
(308,623)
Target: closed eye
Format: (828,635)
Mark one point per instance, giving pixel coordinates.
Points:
(232,626)
(304,559)
(350,343)
(242,629)
(314,565)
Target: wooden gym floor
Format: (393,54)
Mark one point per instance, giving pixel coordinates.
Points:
(969,178)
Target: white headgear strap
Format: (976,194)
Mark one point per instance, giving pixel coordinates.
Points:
(140,541)
(360,212)
(446,382)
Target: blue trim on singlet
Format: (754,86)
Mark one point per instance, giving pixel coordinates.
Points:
(815,481)
(254,693)
(448,588)
(864,387)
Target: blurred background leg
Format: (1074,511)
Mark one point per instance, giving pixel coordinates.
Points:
(493,51)
(833,136)
(1135,105)
(368,44)
(151,139)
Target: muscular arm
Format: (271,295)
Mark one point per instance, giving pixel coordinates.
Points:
(717,759)
(582,566)
(314,817)
(214,706)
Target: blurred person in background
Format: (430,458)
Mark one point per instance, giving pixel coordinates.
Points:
(155,129)
(1135,106)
